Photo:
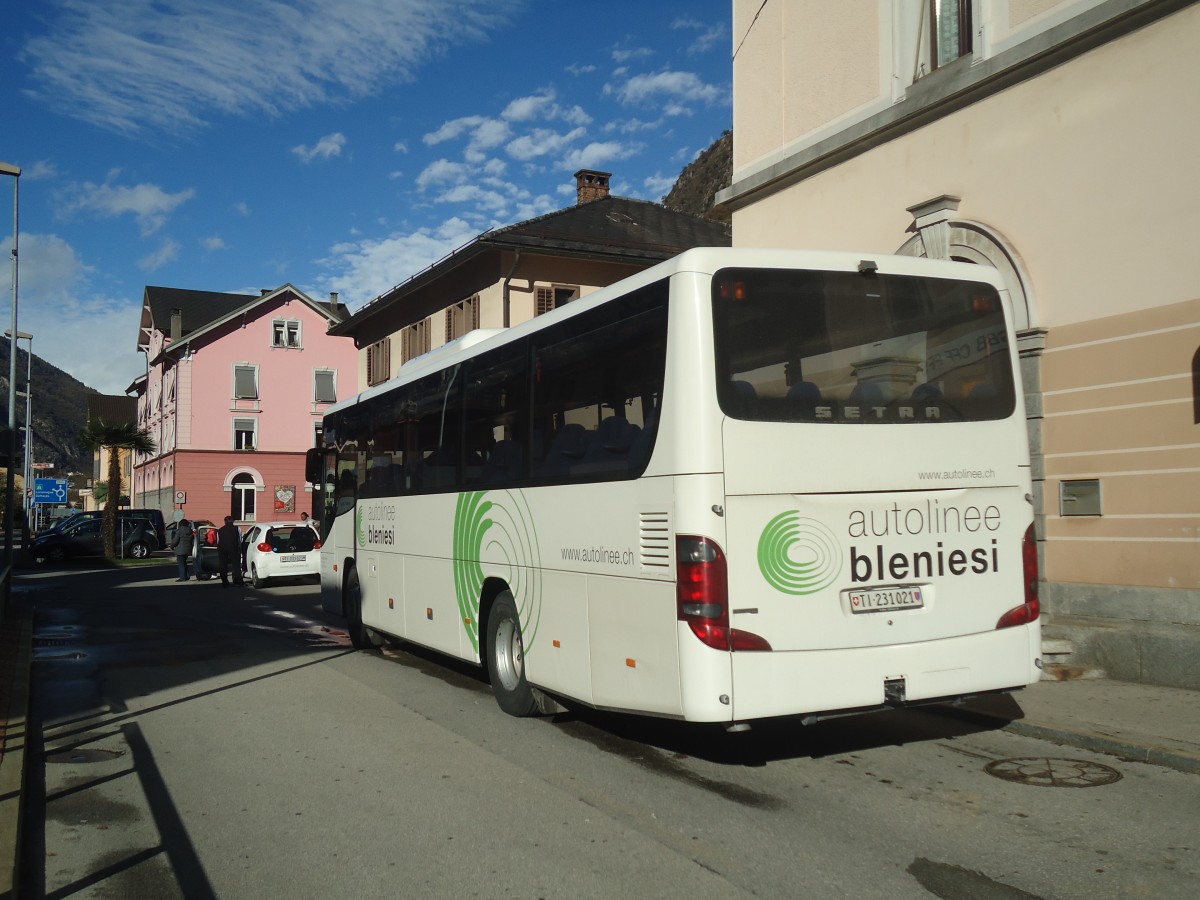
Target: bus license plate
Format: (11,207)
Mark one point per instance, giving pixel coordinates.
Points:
(885,599)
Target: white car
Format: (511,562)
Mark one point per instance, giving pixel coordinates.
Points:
(280,550)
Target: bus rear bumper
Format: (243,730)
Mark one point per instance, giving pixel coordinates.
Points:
(825,681)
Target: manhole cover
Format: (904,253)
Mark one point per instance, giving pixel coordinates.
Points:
(82,756)
(1047,771)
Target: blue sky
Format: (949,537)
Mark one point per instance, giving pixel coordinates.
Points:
(340,145)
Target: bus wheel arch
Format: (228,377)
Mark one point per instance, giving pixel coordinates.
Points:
(362,637)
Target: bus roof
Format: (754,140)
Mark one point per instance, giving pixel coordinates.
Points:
(705,260)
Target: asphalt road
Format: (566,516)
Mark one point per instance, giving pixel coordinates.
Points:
(189,741)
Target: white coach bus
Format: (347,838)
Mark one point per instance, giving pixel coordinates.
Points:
(740,484)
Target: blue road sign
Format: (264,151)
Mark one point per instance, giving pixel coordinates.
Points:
(50,490)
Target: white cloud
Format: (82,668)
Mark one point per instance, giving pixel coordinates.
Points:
(216,242)
(92,336)
(634,53)
(242,209)
(525,109)
(658,185)
(39,171)
(631,126)
(148,203)
(168,252)
(442,172)
(451,130)
(171,65)
(400,147)
(598,154)
(709,35)
(675,87)
(327,147)
(580,70)
(362,270)
(542,142)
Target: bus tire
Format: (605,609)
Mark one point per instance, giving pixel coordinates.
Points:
(361,637)
(506,662)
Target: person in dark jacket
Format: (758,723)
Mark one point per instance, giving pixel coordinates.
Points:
(229,542)
(181,544)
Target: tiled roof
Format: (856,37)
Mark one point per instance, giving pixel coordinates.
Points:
(198,308)
(201,309)
(630,229)
(610,229)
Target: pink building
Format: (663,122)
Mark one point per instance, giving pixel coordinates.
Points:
(233,395)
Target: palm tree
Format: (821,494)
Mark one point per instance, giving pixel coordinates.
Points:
(114,437)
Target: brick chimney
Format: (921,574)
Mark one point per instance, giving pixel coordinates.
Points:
(591,185)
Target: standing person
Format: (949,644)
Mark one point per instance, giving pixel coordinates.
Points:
(309,522)
(185,536)
(229,543)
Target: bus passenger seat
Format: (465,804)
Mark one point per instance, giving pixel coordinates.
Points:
(569,447)
(610,447)
(503,463)
(803,397)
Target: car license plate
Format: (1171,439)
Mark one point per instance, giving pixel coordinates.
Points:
(292,557)
(885,599)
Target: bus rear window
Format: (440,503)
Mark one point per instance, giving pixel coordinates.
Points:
(844,347)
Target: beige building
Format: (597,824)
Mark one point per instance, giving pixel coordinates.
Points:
(1055,140)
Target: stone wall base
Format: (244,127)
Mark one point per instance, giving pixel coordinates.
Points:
(1144,635)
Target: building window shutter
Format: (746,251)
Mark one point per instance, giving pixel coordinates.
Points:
(324,389)
(245,383)
(379,361)
(545,300)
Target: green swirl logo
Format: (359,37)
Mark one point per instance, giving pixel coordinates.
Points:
(798,556)
(361,527)
(496,527)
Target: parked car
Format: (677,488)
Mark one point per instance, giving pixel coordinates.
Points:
(82,536)
(280,550)
(153,516)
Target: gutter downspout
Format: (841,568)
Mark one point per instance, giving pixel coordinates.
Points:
(509,287)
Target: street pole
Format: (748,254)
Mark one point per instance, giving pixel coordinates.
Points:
(15,172)
(27,499)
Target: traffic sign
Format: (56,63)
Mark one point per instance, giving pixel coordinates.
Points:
(50,490)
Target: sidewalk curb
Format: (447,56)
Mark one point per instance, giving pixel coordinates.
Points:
(1083,739)
(1099,743)
(16,644)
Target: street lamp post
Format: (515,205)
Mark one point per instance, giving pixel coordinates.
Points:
(15,172)
(27,501)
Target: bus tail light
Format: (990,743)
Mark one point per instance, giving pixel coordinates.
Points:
(702,595)
(1031,608)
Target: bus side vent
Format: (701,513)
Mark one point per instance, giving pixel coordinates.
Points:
(655,541)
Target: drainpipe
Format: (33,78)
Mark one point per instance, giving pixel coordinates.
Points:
(509,287)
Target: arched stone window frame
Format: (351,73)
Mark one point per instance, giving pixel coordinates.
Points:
(939,236)
(259,485)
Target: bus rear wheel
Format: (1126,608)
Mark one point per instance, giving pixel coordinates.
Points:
(506,663)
